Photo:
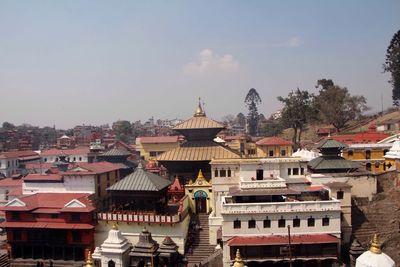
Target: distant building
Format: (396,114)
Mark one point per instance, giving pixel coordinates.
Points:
(78,154)
(274,147)
(12,162)
(65,142)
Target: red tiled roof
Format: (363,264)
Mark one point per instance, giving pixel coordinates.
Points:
(74,151)
(47,225)
(273,141)
(158,139)
(9,182)
(282,240)
(16,192)
(17,154)
(52,201)
(35,177)
(360,138)
(43,165)
(176,186)
(94,168)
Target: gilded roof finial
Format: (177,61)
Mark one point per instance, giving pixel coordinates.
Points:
(200,175)
(238,260)
(375,245)
(89,261)
(115,226)
(199,111)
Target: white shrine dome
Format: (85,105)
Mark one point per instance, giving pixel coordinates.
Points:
(374,257)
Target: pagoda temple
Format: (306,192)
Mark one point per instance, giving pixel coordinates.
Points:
(199,148)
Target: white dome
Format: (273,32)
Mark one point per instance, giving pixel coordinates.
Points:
(370,259)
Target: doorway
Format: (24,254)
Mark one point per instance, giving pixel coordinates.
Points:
(200,198)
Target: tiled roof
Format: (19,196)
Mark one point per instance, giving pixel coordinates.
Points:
(158,139)
(140,180)
(17,154)
(74,151)
(282,240)
(52,201)
(9,182)
(93,168)
(176,186)
(367,137)
(199,123)
(115,152)
(48,225)
(36,177)
(273,141)
(198,151)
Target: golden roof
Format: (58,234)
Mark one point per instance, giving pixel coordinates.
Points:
(375,245)
(200,181)
(199,111)
(198,151)
(89,261)
(199,122)
(115,226)
(238,260)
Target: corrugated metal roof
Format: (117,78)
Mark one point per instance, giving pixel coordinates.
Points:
(330,143)
(333,163)
(198,151)
(115,152)
(198,123)
(141,180)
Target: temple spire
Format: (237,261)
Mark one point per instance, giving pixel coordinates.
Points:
(238,260)
(199,111)
(375,245)
(89,261)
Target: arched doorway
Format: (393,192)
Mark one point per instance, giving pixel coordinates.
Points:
(200,198)
(111,263)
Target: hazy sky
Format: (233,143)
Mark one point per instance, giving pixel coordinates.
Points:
(93,62)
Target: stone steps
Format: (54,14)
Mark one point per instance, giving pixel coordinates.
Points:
(4,261)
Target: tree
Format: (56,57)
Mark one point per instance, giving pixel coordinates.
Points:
(123,130)
(297,111)
(337,107)
(241,119)
(229,119)
(8,126)
(392,65)
(252,100)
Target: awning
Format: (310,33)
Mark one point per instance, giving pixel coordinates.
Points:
(271,240)
(47,225)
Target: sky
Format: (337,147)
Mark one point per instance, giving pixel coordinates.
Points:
(68,63)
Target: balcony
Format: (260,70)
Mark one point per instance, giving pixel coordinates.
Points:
(267,183)
(146,217)
(228,207)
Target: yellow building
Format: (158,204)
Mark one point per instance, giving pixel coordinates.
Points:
(242,144)
(200,194)
(370,156)
(274,147)
(150,147)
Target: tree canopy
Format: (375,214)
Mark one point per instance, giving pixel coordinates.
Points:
(297,111)
(252,101)
(392,65)
(336,106)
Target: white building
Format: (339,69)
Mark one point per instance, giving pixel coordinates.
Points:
(258,201)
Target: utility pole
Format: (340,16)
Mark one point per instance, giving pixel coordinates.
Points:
(290,247)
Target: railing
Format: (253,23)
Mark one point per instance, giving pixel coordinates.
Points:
(267,183)
(279,207)
(131,216)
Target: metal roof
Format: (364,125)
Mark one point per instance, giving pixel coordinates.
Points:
(330,143)
(198,151)
(332,163)
(115,152)
(198,123)
(141,180)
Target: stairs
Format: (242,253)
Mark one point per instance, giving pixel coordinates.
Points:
(4,261)
(201,248)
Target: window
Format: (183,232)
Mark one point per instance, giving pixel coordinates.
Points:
(295,171)
(75,217)
(111,263)
(267,223)
(302,171)
(76,236)
(385,151)
(281,223)
(222,173)
(271,153)
(54,216)
(311,222)
(45,159)
(153,154)
(283,152)
(15,216)
(216,173)
(237,224)
(80,158)
(350,153)
(325,221)
(368,154)
(377,164)
(339,194)
(368,166)
(99,190)
(252,223)
(289,171)
(229,173)
(260,174)
(74,159)
(296,222)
